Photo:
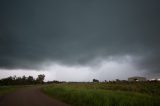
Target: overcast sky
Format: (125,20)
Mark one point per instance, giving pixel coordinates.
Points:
(78,40)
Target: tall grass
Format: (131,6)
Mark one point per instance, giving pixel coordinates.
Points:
(80,95)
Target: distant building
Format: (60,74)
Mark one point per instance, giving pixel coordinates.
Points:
(137,79)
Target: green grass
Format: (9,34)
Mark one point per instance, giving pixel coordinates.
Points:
(7,89)
(94,95)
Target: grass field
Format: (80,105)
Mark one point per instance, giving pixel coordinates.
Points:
(7,89)
(106,94)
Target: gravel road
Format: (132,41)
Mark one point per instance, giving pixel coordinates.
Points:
(30,96)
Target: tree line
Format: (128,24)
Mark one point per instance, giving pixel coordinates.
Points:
(30,80)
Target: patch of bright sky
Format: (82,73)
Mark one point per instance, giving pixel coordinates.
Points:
(110,69)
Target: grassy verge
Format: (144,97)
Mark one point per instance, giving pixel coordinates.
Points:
(7,89)
(81,96)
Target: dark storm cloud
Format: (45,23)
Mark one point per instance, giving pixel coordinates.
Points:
(77,32)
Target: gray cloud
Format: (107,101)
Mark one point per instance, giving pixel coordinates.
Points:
(78,32)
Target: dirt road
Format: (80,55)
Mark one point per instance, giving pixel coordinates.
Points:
(31,96)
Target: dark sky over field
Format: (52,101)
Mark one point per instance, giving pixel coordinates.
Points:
(103,39)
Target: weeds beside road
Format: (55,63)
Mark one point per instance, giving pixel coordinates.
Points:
(106,94)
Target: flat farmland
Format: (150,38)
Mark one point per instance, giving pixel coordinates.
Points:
(106,94)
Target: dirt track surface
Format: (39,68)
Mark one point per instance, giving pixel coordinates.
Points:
(31,96)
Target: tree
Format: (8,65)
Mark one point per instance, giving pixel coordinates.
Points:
(24,78)
(30,80)
(95,80)
(40,78)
